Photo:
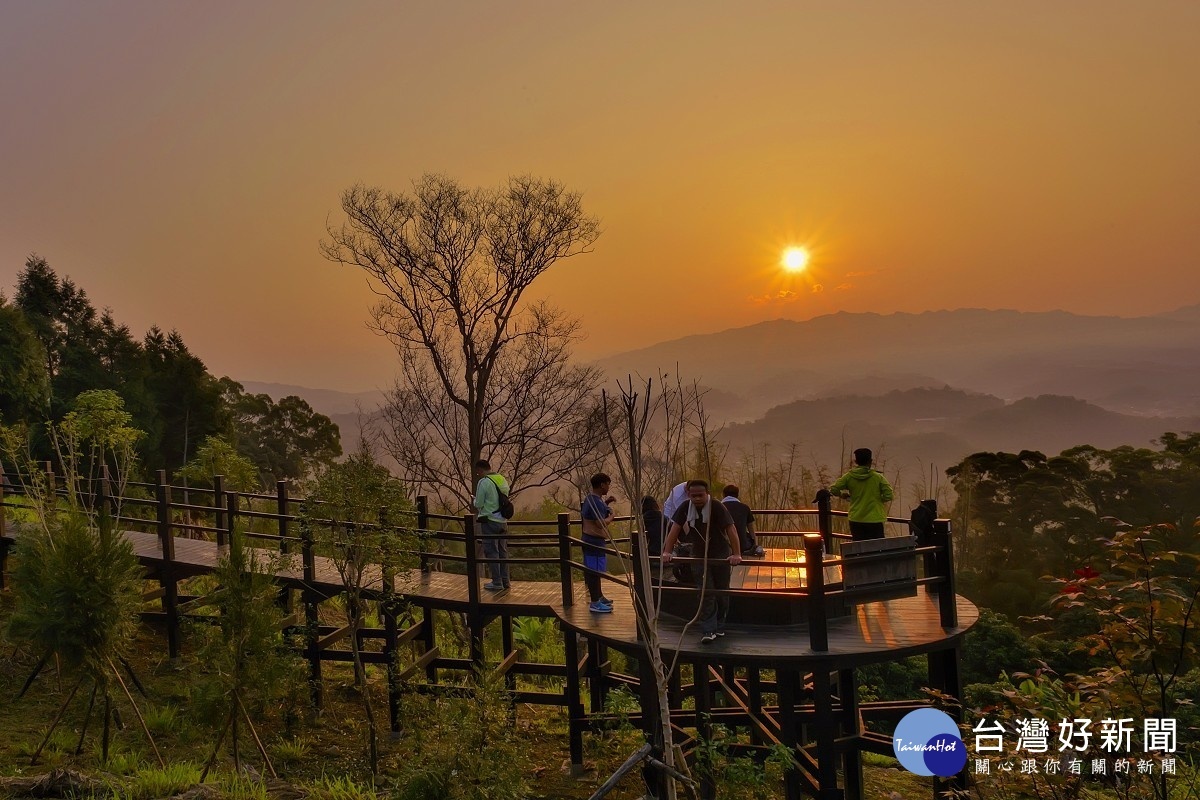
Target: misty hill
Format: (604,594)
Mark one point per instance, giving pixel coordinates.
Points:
(329,402)
(1141,365)
(913,429)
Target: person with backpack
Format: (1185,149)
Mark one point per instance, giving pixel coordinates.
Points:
(869,494)
(743,520)
(491,497)
(597,516)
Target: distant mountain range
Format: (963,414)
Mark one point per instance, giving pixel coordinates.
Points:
(923,389)
(1140,365)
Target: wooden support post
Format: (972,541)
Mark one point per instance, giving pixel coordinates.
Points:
(573,701)
(947,598)
(564,559)
(826,727)
(788,684)
(754,694)
(506,644)
(312,622)
(944,674)
(390,647)
(474,612)
(170,601)
(814,572)
(825,520)
(428,633)
(219,510)
(852,766)
(423,530)
(703,685)
(651,713)
(595,678)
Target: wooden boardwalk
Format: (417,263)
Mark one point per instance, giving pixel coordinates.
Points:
(874,632)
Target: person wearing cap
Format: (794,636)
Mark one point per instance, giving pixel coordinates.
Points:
(869,494)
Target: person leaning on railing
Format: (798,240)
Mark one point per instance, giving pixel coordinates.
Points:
(710,529)
(869,494)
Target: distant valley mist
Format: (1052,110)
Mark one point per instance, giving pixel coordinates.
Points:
(922,389)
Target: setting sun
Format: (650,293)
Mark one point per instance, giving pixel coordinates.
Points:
(795,259)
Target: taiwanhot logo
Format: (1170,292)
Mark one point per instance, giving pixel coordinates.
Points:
(927,743)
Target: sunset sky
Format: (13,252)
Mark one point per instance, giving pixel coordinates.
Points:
(180,160)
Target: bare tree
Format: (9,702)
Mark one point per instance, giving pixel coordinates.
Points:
(481,373)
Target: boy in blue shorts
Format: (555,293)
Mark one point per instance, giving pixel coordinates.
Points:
(597,521)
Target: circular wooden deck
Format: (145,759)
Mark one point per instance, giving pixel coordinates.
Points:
(880,631)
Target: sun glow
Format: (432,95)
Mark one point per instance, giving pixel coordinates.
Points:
(794,259)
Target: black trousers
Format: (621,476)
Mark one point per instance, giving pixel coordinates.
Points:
(866,530)
(714,607)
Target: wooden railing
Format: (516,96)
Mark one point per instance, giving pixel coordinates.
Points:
(286,523)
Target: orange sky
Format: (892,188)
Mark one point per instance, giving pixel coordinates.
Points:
(180,160)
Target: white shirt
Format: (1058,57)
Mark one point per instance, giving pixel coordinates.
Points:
(675,499)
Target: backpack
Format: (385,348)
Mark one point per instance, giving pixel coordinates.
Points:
(920,523)
(506,506)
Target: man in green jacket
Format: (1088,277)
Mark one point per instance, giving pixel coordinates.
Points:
(869,494)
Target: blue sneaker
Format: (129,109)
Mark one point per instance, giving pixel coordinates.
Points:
(599,608)
(604,601)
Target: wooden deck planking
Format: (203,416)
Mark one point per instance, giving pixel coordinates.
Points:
(874,632)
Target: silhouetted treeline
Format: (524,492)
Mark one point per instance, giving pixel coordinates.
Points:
(1023,516)
(54,344)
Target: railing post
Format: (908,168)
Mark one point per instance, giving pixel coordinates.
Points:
(947,596)
(285,547)
(474,614)
(564,560)
(231,514)
(219,506)
(48,472)
(814,573)
(825,519)
(387,610)
(166,541)
(423,530)
(642,586)
(312,622)
(281,509)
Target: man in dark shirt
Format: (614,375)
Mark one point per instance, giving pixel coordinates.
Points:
(743,520)
(710,530)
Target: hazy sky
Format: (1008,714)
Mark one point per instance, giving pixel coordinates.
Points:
(180,160)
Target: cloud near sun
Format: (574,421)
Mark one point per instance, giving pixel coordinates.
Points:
(785,295)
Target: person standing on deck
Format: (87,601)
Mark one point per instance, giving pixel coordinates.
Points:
(869,494)
(654,523)
(743,520)
(597,519)
(491,525)
(712,533)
